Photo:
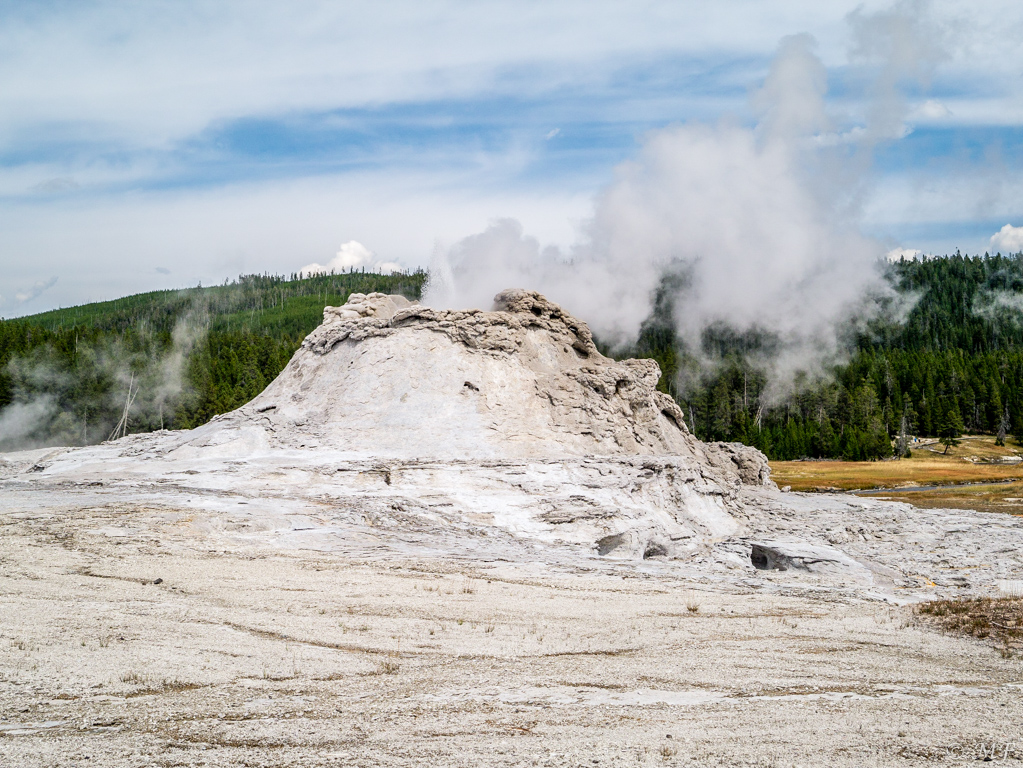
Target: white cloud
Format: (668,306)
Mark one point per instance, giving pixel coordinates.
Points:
(909,254)
(25,296)
(157,72)
(898,254)
(1008,239)
(353,256)
(932,109)
(153,74)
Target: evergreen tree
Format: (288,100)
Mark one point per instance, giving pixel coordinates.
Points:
(951,428)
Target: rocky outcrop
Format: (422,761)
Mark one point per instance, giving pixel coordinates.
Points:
(388,377)
(510,418)
(748,463)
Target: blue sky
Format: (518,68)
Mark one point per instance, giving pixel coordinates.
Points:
(157,145)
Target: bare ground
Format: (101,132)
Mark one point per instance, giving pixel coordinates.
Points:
(245,653)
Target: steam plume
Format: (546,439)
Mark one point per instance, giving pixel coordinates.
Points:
(759,224)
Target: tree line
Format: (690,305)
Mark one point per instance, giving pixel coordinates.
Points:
(952,363)
(187,355)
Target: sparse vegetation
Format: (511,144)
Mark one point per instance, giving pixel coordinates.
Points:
(1000,619)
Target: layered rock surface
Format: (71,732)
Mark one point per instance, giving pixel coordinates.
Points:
(385,377)
(397,427)
(510,418)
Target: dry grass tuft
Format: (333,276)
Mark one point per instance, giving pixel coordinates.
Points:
(998,618)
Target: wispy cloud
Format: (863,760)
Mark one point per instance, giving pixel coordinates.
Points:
(37,290)
(181,114)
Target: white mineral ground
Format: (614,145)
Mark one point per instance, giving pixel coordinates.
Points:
(467,538)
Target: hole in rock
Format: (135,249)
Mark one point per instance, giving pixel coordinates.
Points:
(470,385)
(611,543)
(765,559)
(655,549)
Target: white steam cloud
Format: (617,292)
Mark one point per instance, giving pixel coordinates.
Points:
(46,410)
(352,255)
(760,224)
(19,420)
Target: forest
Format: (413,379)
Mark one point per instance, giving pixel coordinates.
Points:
(952,363)
(179,357)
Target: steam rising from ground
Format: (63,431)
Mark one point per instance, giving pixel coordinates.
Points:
(757,227)
(49,406)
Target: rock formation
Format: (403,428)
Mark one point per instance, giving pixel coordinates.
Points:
(384,377)
(502,434)
(544,433)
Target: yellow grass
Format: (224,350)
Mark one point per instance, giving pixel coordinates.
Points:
(976,482)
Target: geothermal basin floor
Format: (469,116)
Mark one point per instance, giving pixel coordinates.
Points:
(126,643)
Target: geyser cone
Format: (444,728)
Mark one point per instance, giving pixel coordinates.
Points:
(389,378)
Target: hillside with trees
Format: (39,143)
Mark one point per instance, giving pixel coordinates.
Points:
(952,364)
(179,357)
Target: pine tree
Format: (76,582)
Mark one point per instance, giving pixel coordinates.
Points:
(951,428)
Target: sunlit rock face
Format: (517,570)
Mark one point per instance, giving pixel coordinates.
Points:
(389,378)
(509,419)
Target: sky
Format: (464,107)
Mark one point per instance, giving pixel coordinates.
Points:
(160,145)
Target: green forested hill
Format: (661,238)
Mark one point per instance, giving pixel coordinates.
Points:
(185,355)
(955,361)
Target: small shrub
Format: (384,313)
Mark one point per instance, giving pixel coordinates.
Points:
(999,618)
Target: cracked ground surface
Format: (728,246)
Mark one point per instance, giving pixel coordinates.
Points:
(249,653)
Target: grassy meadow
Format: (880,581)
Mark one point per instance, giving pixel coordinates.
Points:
(977,474)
